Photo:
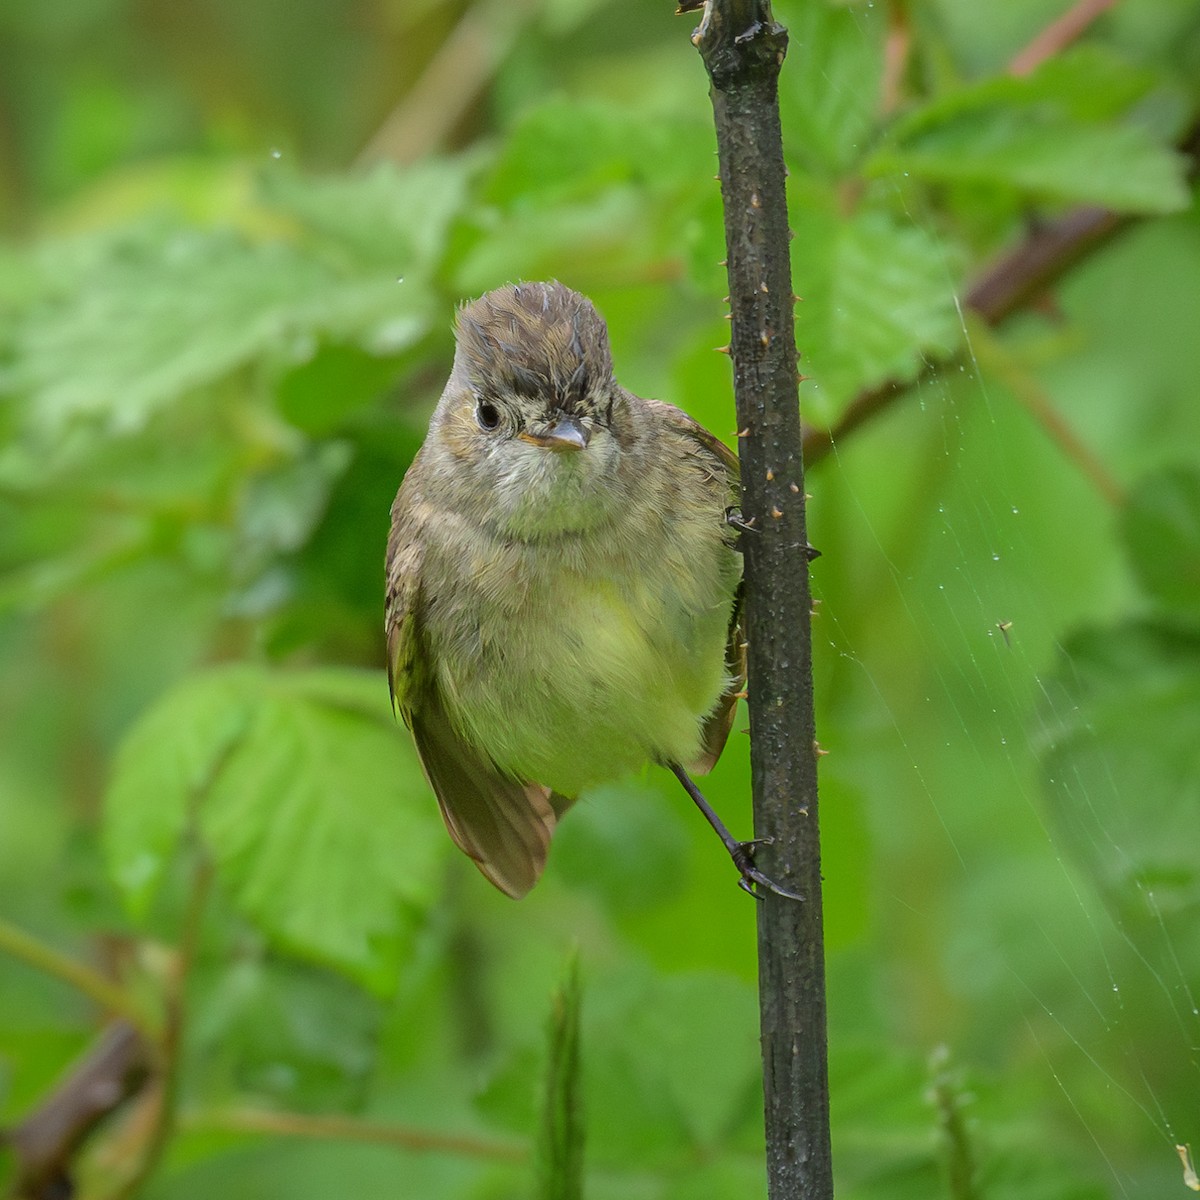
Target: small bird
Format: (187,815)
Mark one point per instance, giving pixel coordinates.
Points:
(563,584)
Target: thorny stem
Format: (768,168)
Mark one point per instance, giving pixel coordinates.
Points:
(743,49)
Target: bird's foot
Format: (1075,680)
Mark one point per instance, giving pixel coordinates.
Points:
(735,520)
(742,854)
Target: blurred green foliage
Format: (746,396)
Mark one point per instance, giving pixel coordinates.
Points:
(235,237)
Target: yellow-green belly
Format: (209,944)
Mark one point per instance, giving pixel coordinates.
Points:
(588,679)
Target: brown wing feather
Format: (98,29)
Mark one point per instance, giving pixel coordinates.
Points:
(503,824)
(720,721)
(403,571)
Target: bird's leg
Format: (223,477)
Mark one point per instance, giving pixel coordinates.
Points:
(742,853)
(735,520)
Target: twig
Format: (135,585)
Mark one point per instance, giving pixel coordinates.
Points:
(1009,285)
(109,996)
(991,354)
(451,83)
(743,49)
(352,1129)
(162,1125)
(46,1140)
(1058,35)
(896,49)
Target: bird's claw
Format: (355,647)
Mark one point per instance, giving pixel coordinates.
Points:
(735,520)
(751,876)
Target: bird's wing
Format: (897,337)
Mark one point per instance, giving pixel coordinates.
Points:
(726,470)
(720,721)
(501,822)
(403,569)
(504,824)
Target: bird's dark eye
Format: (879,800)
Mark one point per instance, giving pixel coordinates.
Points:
(488,415)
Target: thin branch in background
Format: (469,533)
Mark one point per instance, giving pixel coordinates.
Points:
(896,49)
(992,355)
(46,1141)
(1013,282)
(453,80)
(1058,35)
(109,996)
(743,49)
(353,1129)
(166,1098)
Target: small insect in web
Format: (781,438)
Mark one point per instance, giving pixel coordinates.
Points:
(1004,627)
(1190,1178)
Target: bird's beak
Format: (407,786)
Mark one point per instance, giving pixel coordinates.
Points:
(567,433)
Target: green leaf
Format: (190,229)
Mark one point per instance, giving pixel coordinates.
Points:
(303,1037)
(1052,136)
(308,798)
(620,835)
(1086,83)
(277,513)
(561,1132)
(1160,526)
(1120,765)
(829,107)
(681,1063)
(878,299)
(567,149)
(583,190)
(1120,166)
(163,309)
(390,218)
(163,766)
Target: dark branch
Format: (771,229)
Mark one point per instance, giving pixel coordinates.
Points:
(743,49)
(46,1141)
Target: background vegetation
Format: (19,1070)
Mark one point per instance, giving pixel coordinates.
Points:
(235,236)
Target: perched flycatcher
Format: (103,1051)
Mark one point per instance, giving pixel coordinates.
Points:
(563,584)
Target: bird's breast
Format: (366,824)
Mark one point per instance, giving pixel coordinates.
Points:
(573,663)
